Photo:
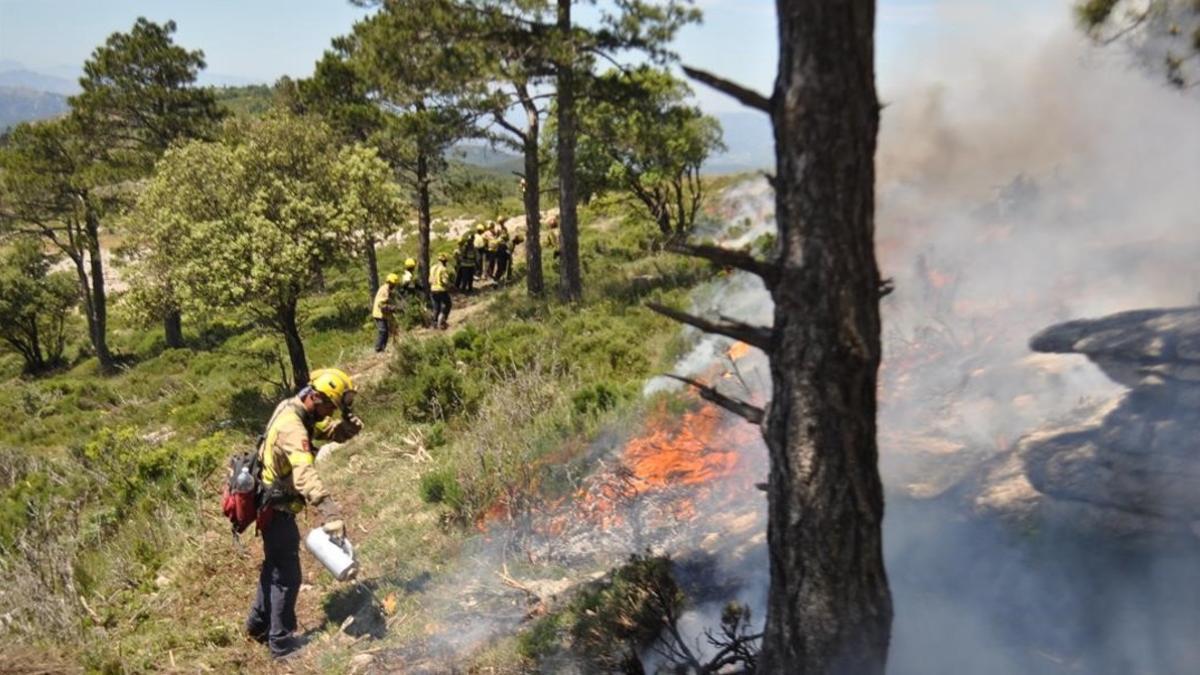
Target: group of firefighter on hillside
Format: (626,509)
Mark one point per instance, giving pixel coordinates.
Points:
(484,251)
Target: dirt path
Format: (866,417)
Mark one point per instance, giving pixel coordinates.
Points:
(367,367)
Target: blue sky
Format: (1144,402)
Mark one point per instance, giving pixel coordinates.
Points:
(259,40)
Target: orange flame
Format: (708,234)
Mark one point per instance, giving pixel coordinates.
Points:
(681,456)
(738,349)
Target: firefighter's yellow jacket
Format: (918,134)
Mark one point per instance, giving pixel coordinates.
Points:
(287,455)
(379,308)
(439,277)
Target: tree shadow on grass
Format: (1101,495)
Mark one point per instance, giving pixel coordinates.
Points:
(249,410)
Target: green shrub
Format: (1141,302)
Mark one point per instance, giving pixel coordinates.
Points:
(441,486)
(343,310)
(596,398)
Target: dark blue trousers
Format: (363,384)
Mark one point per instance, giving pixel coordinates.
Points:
(381,334)
(273,614)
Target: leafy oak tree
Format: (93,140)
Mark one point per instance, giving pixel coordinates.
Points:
(138,97)
(245,224)
(639,134)
(35,304)
(338,94)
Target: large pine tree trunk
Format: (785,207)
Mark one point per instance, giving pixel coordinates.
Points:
(423,218)
(829,609)
(570,285)
(98,302)
(534,283)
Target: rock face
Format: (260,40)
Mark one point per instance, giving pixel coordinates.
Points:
(1136,468)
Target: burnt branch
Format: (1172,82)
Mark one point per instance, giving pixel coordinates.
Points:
(747,97)
(729,258)
(751,413)
(751,335)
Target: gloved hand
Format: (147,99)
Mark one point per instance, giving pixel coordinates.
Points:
(354,424)
(336,529)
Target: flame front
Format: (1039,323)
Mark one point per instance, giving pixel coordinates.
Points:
(685,452)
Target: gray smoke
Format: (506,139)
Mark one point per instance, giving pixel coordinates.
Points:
(1025,178)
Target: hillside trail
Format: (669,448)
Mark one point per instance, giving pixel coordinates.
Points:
(368,367)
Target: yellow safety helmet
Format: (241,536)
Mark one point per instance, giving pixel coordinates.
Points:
(479,227)
(442,257)
(410,264)
(334,384)
(393,279)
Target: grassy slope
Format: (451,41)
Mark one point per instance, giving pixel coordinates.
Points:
(161,581)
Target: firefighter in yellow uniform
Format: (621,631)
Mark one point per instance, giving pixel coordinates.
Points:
(439,289)
(290,481)
(381,311)
(480,244)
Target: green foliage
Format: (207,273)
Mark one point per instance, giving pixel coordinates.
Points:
(138,95)
(612,620)
(52,186)
(247,101)
(247,223)
(1165,32)
(596,398)
(35,305)
(1094,13)
(441,486)
(343,310)
(638,134)
(626,607)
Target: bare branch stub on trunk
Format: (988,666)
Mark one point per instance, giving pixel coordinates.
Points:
(751,335)
(731,258)
(751,413)
(745,96)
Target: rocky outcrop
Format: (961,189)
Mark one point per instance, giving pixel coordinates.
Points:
(1135,469)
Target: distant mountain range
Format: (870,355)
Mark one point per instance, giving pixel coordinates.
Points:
(21,104)
(28,95)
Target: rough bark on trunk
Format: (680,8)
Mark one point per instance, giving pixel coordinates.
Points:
(372,266)
(423,218)
(97,301)
(829,609)
(534,282)
(286,323)
(173,329)
(570,285)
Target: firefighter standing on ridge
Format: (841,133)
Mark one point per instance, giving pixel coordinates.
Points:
(290,481)
(409,284)
(381,311)
(480,244)
(491,244)
(500,232)
(439,288)
(466,259)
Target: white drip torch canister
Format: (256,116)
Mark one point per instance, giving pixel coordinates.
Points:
(336,556)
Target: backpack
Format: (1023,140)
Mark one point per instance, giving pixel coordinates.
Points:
(240,497)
